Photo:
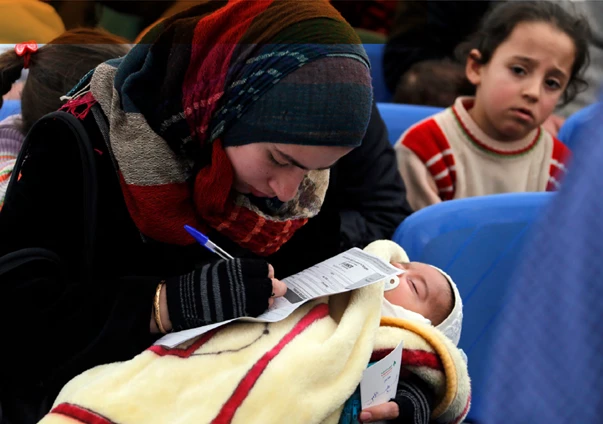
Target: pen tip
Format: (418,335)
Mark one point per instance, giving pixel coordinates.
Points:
(197,235)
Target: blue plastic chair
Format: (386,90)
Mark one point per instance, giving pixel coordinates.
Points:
(398,118)
(478,241)
(10,107)
(568,133)
(375,54)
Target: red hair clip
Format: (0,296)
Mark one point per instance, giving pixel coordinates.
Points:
(25,50)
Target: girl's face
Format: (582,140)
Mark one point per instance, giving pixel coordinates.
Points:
(518,89)
(277,170)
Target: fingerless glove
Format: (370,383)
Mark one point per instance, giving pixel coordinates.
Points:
(217,292)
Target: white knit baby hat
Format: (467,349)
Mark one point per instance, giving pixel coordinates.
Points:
(392,252)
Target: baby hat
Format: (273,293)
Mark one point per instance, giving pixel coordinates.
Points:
(452,325)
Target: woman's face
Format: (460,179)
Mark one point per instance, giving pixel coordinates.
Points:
(277,170)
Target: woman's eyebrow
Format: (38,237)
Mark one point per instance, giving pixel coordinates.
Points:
(296,163)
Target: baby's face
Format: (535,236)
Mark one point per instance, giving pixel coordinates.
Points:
(424,290)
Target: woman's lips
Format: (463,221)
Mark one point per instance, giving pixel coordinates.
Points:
(257,193)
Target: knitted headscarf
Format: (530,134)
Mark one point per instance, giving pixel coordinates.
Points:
(238,72)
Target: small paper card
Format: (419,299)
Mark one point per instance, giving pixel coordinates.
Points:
(380,381)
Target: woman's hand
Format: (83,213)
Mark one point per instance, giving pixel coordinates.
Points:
(217,292)
(278,287)
(385,411)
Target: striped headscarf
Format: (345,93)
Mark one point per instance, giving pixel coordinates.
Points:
(230,72)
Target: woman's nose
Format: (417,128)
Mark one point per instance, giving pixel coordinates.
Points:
(286,184)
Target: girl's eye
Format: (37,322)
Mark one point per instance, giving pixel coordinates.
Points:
(275,162)
(553,84)
(414,286)
(518,70)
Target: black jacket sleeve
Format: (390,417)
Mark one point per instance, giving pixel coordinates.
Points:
(370,193)
(57,324)
(428,29)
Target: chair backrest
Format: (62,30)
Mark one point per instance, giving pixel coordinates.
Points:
(398,118)
(375,54)
(10,107)
(478,241)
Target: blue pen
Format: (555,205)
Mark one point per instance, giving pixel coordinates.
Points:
(205,242)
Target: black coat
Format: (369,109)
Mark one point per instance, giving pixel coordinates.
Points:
(56,327)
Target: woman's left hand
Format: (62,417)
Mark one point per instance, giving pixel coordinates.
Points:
(385,411)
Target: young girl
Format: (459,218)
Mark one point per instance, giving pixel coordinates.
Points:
(524,58)
(53,70)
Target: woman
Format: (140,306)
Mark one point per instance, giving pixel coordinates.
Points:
(233,136)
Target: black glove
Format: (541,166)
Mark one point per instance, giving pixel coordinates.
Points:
(217,292)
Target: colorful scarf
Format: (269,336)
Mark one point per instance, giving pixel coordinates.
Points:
(171,102)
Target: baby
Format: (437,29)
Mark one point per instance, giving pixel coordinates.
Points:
(422,293)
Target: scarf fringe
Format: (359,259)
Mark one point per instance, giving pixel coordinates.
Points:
(79,105)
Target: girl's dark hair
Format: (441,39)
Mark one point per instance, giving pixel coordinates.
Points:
(55,68)
(501,20)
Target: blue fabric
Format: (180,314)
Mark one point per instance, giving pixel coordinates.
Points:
(478,241)
(546,365)
(353,406)
(398,118)
(10,107)
(569,133)
(351,409)
(375,54)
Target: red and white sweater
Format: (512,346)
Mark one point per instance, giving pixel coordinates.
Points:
(447,156)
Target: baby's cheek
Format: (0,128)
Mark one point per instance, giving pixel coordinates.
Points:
(396,296)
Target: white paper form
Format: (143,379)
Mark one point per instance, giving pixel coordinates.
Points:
(347,271)
(380,381)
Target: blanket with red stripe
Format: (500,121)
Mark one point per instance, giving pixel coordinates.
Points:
(430,355)
(299,370)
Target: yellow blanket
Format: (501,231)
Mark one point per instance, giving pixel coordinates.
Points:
(299,370)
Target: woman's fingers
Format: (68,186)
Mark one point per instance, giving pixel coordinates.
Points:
(270,271)
(278,288)
(385,411)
